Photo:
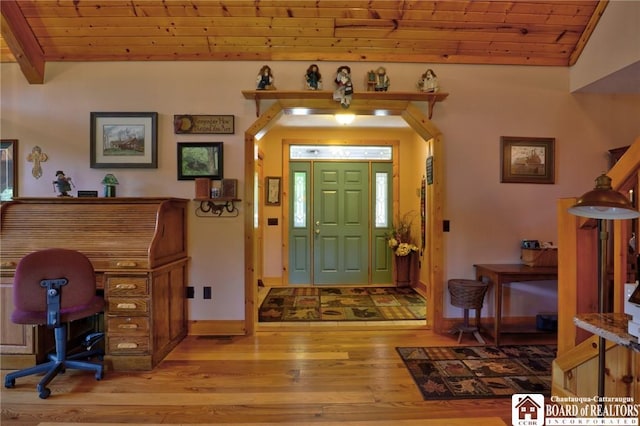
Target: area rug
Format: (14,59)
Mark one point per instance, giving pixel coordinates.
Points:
(480,371)
(342,304)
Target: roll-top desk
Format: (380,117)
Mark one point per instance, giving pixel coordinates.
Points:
(138,249)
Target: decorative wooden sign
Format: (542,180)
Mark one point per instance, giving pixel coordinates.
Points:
(203,124)
(430,170)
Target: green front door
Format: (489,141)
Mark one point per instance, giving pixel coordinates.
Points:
(338,218)
(340,223)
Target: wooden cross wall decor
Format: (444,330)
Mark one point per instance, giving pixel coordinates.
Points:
(36,156)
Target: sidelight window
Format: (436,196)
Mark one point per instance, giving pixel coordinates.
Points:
(299,199)
(381,200)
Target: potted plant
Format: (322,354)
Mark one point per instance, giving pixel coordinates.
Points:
(404,249)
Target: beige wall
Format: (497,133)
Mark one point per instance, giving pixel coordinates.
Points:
(487,218)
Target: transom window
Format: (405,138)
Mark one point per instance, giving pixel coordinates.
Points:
(339,152)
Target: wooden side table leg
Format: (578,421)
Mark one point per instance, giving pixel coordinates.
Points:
(494,281)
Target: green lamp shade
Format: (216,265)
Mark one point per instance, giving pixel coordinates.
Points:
(109,180)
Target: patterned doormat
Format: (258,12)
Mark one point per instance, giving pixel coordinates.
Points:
(342,304)
(480,371)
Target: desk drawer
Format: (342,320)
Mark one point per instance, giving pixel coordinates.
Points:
(129,326)
(127,286)
(128,305)
(117,345)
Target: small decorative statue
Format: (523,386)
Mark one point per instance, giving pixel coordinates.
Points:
(313,78)
(428,82)
(62,184)
(371,81)
(382,80)
(344,91)
(265,79)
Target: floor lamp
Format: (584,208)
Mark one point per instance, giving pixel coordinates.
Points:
(603,203)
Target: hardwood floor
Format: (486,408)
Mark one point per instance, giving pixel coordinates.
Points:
(320,377)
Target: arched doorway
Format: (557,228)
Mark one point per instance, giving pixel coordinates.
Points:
(433,260)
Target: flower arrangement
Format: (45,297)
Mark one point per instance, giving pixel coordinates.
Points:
(399,239)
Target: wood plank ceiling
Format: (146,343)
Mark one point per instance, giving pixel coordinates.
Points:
(527,32)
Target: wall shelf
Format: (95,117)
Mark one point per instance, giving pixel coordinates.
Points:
(431,98)
(217,207)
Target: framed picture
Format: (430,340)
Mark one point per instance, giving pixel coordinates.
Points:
(8,169)
(272,189)
(200,160)
(124,139)
(527,160)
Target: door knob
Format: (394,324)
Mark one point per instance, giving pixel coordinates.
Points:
(317,231)
(317,223)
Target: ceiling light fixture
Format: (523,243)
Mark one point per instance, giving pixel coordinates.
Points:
(345,119)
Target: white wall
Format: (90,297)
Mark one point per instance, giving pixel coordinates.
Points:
(488,219)
(612,49)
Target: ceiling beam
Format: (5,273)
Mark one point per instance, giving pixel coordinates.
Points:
(586,34)
(22,42)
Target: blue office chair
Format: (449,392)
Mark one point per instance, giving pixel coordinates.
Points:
(54,287)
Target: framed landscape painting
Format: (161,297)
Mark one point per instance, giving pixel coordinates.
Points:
(200,160)
(124,139)
(8,169)
(527,160)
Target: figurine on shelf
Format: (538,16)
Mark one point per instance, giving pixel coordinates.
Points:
(344,91)
(265,79)
(428,82)
(62,184)
(382,80)
(371,81)
(313,78)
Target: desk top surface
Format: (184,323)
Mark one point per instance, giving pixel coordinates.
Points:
(516,268)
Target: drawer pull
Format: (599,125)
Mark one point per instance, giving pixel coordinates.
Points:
(127,345)
(128,326)
(125,286)
(126,264)
(126,306)
(8,264)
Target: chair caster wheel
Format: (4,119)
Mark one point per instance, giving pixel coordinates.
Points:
(9,383)
(44,393)
(99,376)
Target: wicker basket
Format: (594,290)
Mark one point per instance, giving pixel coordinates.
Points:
(468,294)
(540,257)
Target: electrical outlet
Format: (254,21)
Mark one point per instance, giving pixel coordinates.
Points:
(206,292)
(191,292)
